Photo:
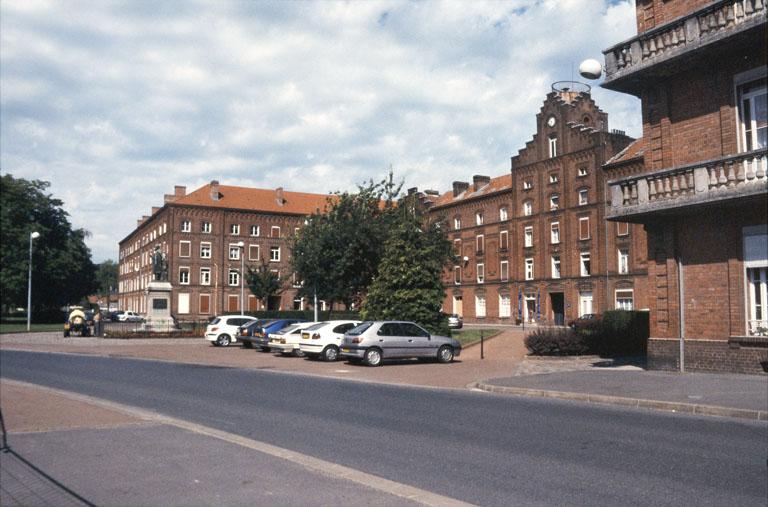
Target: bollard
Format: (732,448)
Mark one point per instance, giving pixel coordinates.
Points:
(482,345)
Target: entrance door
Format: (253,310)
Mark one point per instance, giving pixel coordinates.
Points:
(458,306)
(557,300)
(530,308)
(585,303)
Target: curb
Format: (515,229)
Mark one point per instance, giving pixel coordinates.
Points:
(666,406)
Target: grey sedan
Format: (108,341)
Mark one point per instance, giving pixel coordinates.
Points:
(375,341)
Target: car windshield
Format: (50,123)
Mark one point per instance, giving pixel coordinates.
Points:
(215,321)
(288,329)
(360,329)
(316,326)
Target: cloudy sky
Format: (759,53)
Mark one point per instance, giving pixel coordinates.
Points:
(114,103)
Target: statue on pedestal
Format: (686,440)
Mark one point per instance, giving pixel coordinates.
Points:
(159,265)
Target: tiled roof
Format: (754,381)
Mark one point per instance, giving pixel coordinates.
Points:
(499,183)
(635,149)
(256,199)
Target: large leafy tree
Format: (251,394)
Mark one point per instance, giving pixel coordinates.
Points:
(408,285)
(263,282)
(106,276)
(337,253)
(63,271)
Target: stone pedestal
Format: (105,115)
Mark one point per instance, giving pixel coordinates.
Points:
(158,307)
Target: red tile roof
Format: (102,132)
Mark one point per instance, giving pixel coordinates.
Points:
(636,149)
(256,199)
(503,182)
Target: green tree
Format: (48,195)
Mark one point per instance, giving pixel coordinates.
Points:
(63,271)
(106,277)
(263,282)
(337,253)
(409,281)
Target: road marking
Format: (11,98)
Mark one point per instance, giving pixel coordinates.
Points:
(341,371)
(317,465)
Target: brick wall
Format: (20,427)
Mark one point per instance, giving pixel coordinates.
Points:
(708,356)
(652,13)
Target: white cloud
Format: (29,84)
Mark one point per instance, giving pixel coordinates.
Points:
(115,103)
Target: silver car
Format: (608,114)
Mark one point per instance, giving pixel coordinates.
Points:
(375,341)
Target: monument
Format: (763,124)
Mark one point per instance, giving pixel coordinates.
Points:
(158,294)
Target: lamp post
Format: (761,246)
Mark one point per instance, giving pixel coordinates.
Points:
(32,236)
(241,245)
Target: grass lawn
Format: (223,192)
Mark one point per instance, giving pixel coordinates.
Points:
(471,335)
(21,327)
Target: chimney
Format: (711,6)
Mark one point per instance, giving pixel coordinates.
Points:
(459,187)
(155,209)
(480,181)
(431,192)
(169,198)
(279,196)
(179,190)
(215,195)
(413,190)
(141,220)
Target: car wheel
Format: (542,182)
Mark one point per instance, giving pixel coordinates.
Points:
(223,340)
(266,349)
(297,353)
(330,353)
(372,357)
(445,354)
(247,345)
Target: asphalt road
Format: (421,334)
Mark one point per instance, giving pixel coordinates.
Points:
(475,447)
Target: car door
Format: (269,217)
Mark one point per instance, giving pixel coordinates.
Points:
(418,341)
(390,340)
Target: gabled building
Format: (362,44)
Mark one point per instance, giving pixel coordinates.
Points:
(701,191)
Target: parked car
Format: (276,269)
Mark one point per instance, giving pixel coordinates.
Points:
(248,329)
(258,333)
(373,342)
(286,341)
(323,340)
(223,330)
(586,321)
(115,316)
(128,316)
(455,321)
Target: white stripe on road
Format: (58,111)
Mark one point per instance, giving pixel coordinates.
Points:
(317,465)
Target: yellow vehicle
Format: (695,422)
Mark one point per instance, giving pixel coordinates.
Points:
(77,323)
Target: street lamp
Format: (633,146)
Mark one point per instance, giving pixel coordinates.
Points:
(241,245)
(32,235)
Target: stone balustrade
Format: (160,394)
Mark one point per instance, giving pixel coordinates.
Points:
(691,31)
(744,173)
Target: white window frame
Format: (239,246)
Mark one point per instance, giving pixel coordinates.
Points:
(504,240)
(233,277)
(186,226)
(189,250)
(183,270)
(505,306)
(556,266)
(527,184)
(503,214)
(527,208)
(552,146)
(205,276)
(554,233)
(272,256)
(255,230)
(272,231)
(583,196)
(480,272)
(623,261)
(480,306)
(620,303)
(234,252)
(258,252)
(504,271)
(234,229)
(554,178)
(205,247)
(457,275)
(457,247)
(479,219)
(740,80)
(529,268)
(586,303)
(755,254)
(528,236)
(584,219)
(457,223)
(554,202)
(582,171)
(619,232)
(585,264)
(480,243)
(206,227)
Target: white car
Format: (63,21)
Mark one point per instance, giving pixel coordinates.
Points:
(286,341)
(129,317)
(323,340)
(223,330)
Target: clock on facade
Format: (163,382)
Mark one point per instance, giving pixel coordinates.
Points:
(551,121)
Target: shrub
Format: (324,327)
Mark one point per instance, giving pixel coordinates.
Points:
(621,333)
(302,314)
(556,342)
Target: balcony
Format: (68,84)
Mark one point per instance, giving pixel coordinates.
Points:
(660,47)
(713,181)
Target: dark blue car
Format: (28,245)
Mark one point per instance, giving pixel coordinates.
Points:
(257,334)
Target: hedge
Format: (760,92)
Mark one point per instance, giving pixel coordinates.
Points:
(308,315)
(556,341)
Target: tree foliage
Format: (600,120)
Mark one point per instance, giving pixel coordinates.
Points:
(337,253)
(106,277)
(408,285)
(62,269)
(263,282)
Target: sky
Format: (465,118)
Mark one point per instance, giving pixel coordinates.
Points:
(114,103)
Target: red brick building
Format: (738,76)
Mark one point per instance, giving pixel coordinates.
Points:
(699,68)
(534,243)
(200,233)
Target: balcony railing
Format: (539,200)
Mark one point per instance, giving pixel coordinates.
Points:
(693,30)
(713,180)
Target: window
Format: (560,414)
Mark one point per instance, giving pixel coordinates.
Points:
(274,231)
(504,241)
(205,250)
(529,268)
(234,229)
(478,218)
(585,303)
(622,228)
(623,261)
(254,253)
(552,146)
(752,115)
(186,226)
(582,171)
(457,223)
(583,197)
(504,271)
(554,178)
(184,276)
(625,300)
(457,275)
(554,233)
(505,306)
(584,228)
(205,303)
(528,208)
(554,201)
(255,230)
(756,264)
(185,248)
(481,273)
(480,243)
(205,227)
(479,306)
(274,254)
(555,266)
(205,276)
(183,303)
(456,247)
(234,277)
(527,184)
(234,253)
(584,264)
(502,214)
(529,236)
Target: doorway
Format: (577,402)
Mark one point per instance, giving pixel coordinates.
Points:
(530,309)
(557,300)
